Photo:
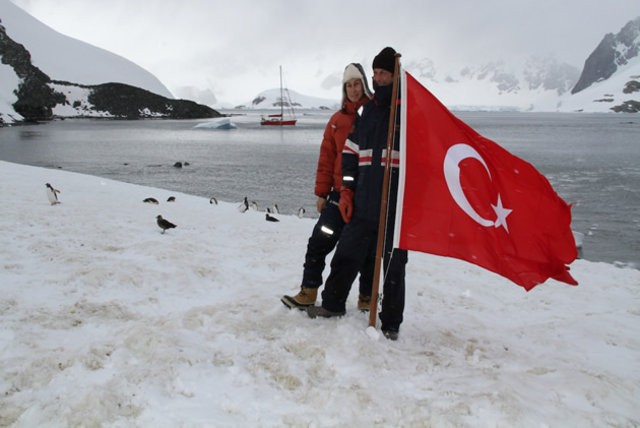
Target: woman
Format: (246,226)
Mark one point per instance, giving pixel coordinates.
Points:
(325,235)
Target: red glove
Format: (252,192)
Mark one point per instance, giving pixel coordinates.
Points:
(346,204)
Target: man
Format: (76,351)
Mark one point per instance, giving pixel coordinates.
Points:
(363,160)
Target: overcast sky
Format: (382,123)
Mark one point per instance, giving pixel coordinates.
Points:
(234,47)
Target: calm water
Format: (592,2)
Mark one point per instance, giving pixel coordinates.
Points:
(592,160)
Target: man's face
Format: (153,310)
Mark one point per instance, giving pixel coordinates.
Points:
(382,77)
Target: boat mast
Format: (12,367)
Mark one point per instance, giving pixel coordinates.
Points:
(281,97)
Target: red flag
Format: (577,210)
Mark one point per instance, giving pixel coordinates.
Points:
(462,195)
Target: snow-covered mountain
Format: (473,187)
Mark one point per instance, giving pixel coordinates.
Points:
(44,74)
(611,74)
(68,59)
(620,92)
(271,99)
(613,52)
(529,83)
(609,81)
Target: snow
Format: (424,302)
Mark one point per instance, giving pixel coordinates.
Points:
(10,80)
(106,321)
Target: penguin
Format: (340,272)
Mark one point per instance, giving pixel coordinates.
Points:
(254,205)
(52,194)
(150,201)
(164,224)
(244,206)
(171,199)
(301,212)
(213,201)
(270,218)
(276,210)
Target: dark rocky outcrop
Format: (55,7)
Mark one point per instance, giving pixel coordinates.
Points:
(125,101)
(630,106)
(631,87)
(257,100)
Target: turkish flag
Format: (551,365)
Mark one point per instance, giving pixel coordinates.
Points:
(462,195)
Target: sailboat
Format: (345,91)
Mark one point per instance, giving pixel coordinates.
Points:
(279,119)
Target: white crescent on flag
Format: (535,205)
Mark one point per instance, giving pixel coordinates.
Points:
(456,154)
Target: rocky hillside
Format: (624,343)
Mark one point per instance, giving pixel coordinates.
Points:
(118,100)
(611,74)
(613,52)
(28,93)
(34,98)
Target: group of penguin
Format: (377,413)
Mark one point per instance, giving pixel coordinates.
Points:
(164,224)
(245,206)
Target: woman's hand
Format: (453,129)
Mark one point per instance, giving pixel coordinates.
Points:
(320,204)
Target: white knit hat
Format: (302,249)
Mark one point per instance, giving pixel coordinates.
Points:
(354,71)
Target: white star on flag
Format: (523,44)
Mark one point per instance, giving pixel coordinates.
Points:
(501,213)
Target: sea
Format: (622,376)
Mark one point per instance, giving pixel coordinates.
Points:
(591,160)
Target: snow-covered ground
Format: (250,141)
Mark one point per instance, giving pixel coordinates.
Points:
(104,321)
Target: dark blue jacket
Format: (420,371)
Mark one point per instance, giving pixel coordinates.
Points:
(363,157)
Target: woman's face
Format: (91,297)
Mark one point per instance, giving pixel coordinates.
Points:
(354,89)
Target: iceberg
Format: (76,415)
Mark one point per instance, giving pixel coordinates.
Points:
(219,123)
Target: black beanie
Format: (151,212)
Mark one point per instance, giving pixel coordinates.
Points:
(386,59)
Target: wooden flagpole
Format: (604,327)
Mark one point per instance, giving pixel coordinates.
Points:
(373,305)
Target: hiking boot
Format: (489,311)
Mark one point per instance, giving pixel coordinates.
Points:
(364,303)
(390,334)
(319,311)
(305,298)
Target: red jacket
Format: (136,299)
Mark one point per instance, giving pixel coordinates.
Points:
(329,173)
